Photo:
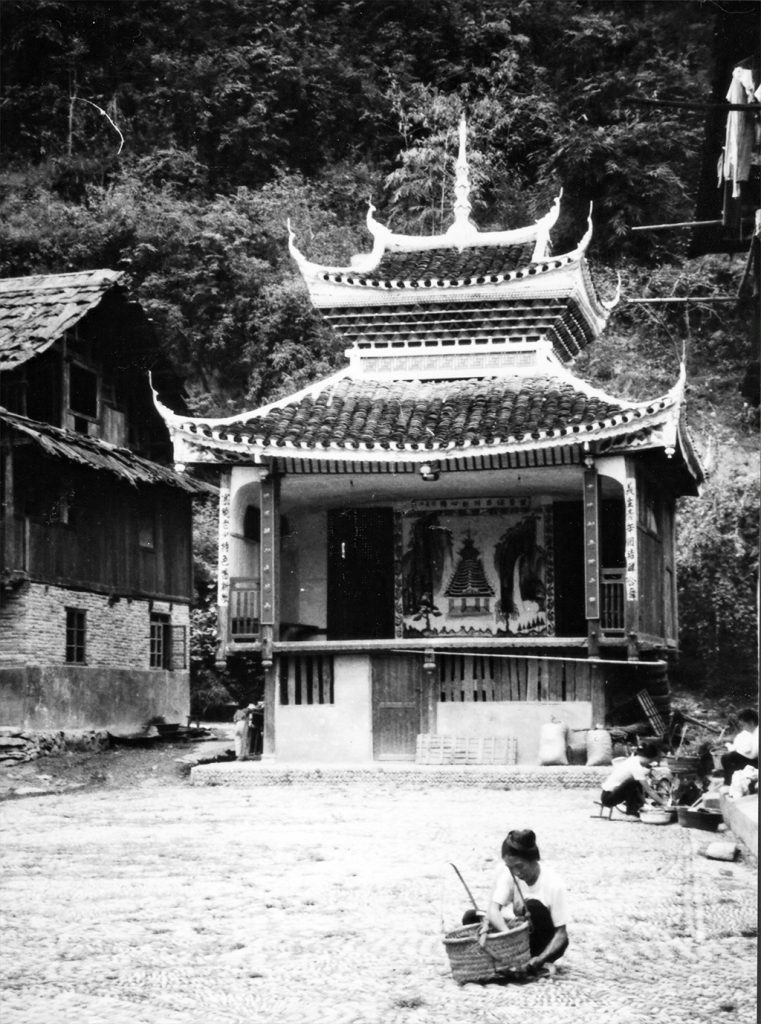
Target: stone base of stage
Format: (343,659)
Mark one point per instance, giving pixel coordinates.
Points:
(246,774)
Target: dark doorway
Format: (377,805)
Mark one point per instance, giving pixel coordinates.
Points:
(612,534)
(361,574)
(568,542)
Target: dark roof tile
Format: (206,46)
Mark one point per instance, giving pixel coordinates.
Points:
(428,413)
(452,264)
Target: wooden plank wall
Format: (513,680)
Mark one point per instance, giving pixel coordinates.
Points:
(99,549)
(651,583)
(476,677)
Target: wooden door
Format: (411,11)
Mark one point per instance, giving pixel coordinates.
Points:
(361,574)
(397,696)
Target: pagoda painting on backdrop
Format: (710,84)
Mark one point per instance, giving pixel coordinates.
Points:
(476,567)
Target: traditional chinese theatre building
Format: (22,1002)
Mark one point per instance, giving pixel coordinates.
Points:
(453,535)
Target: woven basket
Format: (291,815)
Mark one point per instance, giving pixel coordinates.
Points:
(508,952)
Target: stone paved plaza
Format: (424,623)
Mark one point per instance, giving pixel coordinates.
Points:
(172,904)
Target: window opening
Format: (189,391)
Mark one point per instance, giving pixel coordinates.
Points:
(76,634)
(252,523)
(83,396)
(160,641)
(306,679)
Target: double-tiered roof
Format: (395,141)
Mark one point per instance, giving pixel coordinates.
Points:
(458,348)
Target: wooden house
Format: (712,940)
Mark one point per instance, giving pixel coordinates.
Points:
(453,535)
(95,531)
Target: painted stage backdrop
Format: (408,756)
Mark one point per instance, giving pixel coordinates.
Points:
(477,567)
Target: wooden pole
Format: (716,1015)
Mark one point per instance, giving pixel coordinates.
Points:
(676,224)
(269,614)
(681,300)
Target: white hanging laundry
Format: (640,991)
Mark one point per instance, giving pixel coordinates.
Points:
(738,142)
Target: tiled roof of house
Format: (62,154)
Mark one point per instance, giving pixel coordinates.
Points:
(346,413)
(36,310)
(96,454)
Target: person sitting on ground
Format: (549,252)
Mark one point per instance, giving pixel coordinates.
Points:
(630,782)
(525,889)
(743,750)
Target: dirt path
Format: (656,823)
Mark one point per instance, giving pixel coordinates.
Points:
(119,767)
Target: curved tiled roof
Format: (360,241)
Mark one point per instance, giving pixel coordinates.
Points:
(449,264)
(395,415)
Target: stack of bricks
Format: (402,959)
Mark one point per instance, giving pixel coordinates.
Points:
(17,745)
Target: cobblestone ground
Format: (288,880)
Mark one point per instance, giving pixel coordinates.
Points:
(180,905)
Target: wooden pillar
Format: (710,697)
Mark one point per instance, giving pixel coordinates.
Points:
(8,517)
(269,615)
(592,560)
(223,567)
(270,698)
(428,703)
(597,695)
(631,519)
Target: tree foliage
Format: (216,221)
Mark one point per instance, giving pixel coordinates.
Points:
(718,583)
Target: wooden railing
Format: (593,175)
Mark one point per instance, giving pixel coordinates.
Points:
(243,615)
(245,595)
(522,676)
(612,600)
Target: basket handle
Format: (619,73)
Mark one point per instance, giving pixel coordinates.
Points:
(465,886)
(526,912)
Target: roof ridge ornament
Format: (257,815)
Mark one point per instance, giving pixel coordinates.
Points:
(462,205)
(610,304)
(462,231)
(544,226)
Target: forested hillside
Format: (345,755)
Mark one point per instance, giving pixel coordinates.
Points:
(173,140)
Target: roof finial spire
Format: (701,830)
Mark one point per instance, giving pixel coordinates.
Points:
(462,181)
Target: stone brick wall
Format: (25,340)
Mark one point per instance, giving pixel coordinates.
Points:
(18,745)
(33,627)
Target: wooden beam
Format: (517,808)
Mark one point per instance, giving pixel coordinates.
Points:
(681,300)
(676,224)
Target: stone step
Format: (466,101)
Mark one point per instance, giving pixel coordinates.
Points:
(248,774)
